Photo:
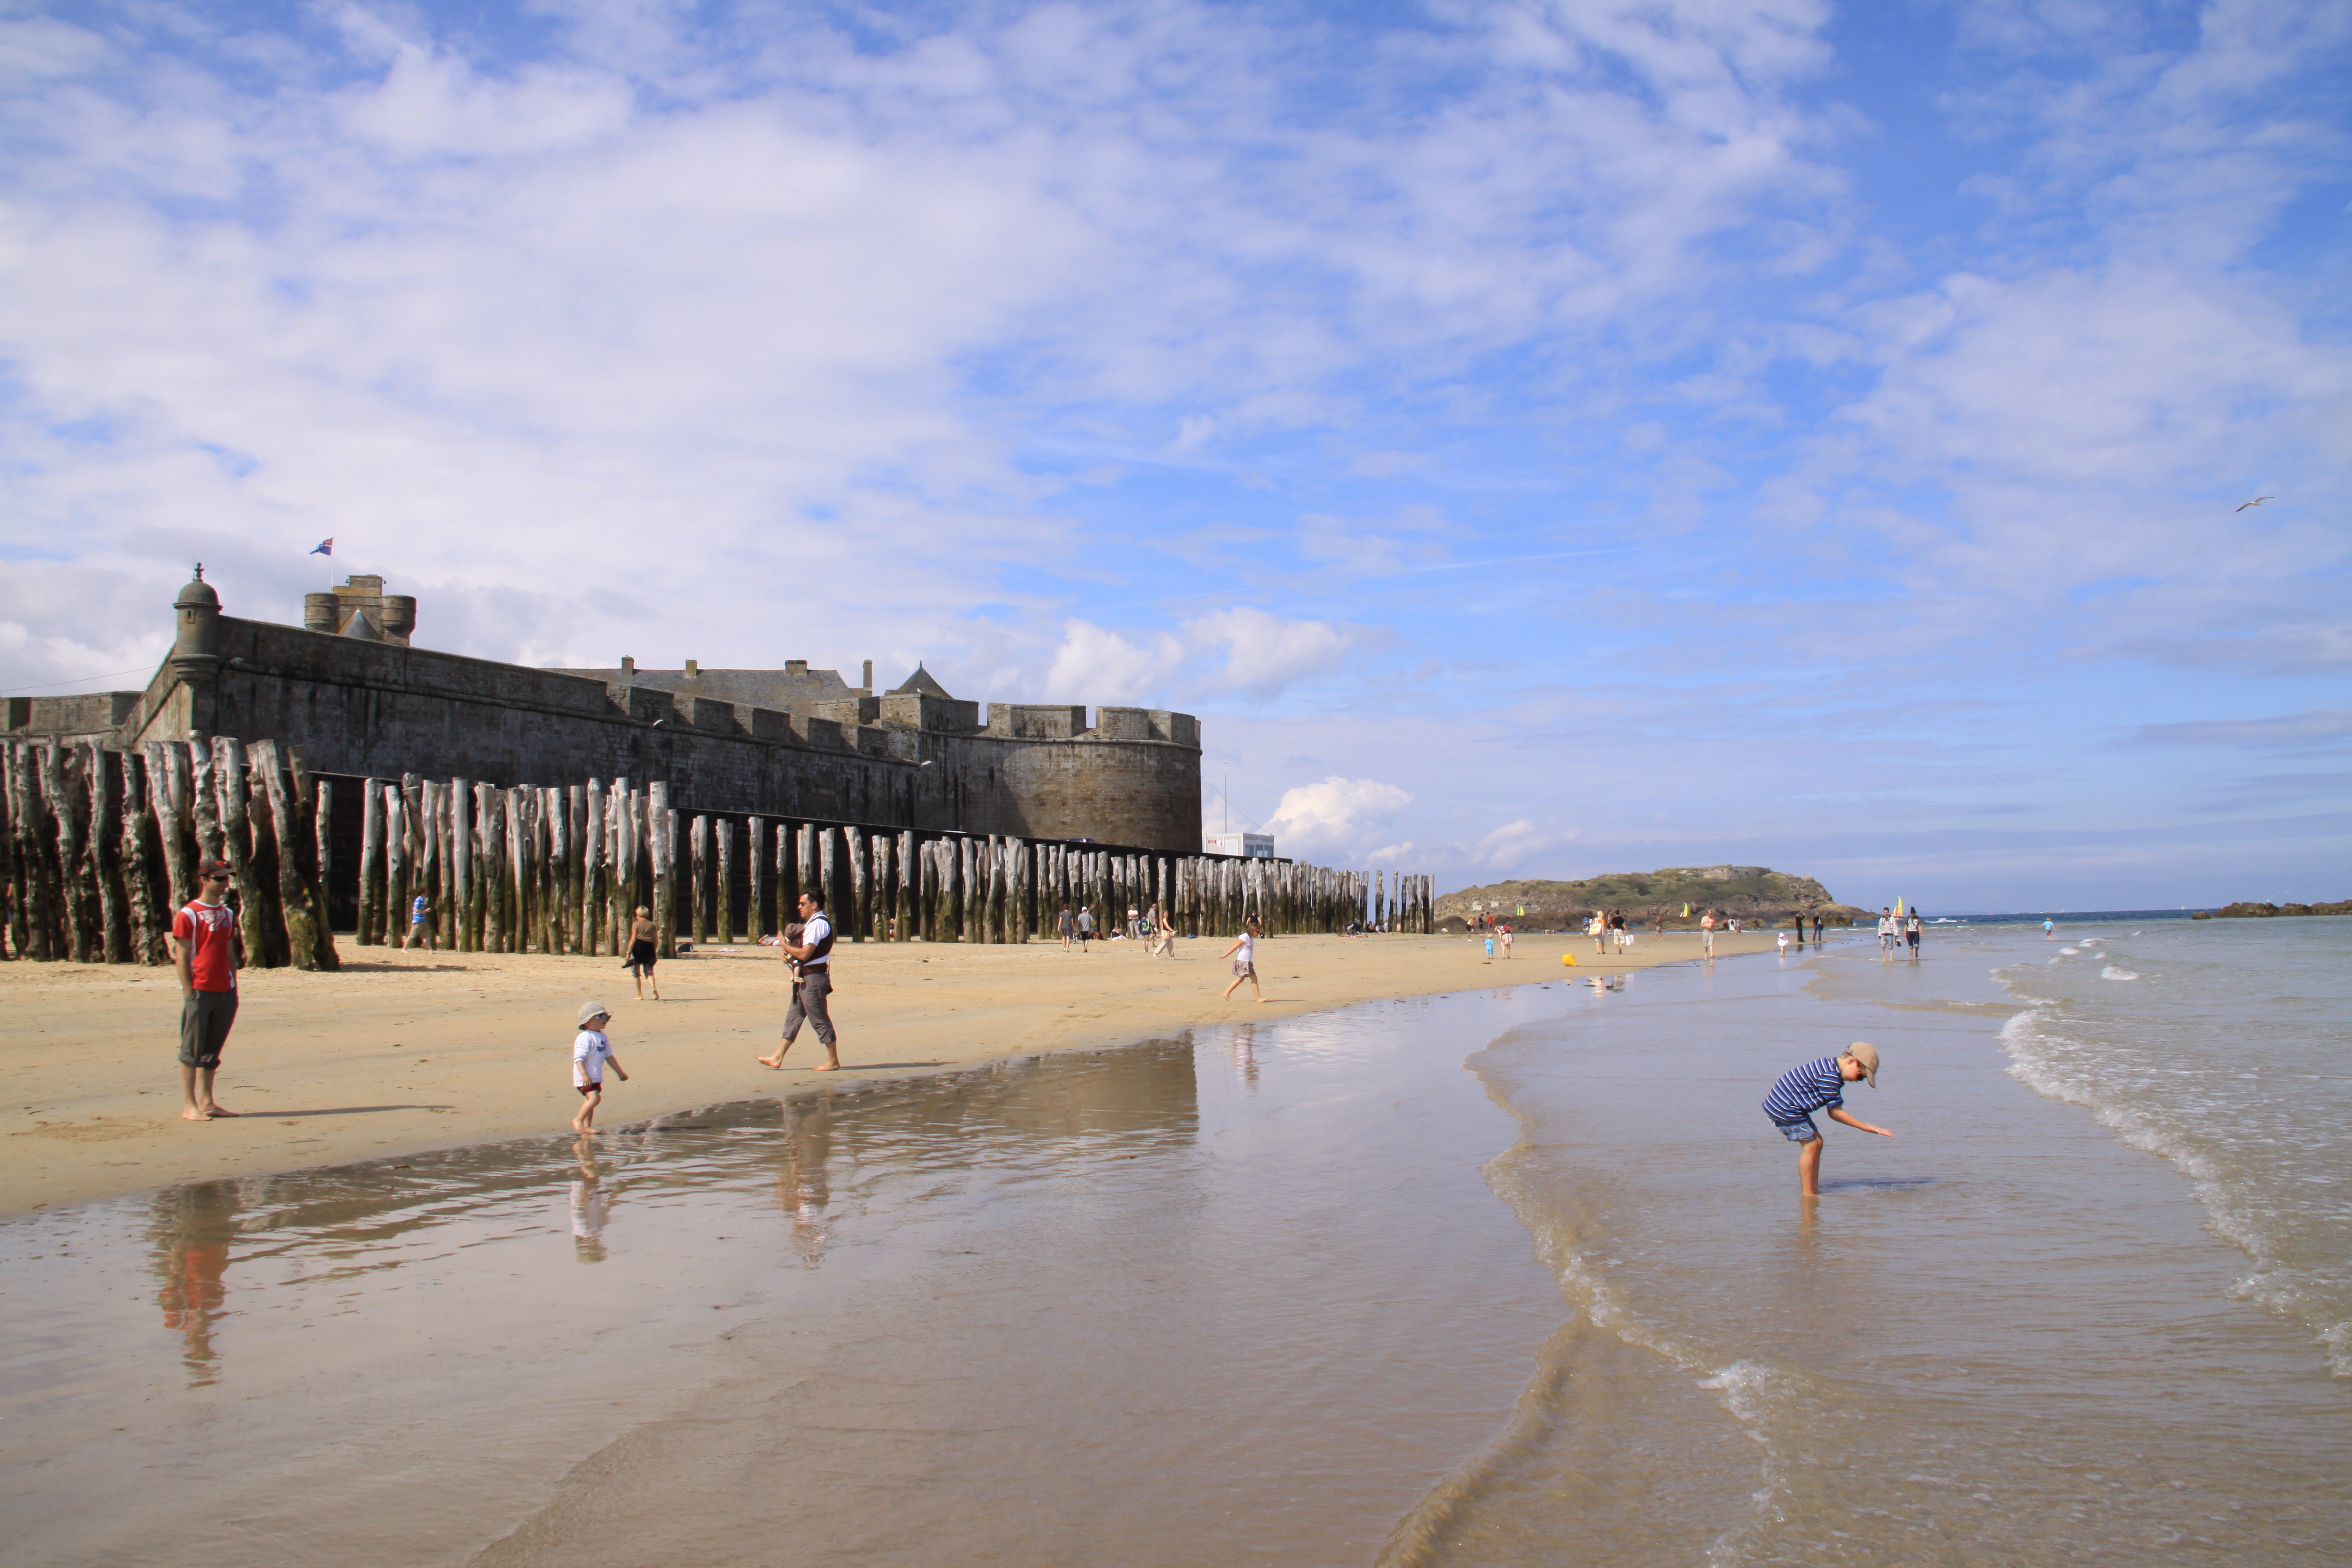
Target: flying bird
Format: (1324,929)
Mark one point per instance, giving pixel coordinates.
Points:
(2256,501)
(325,546)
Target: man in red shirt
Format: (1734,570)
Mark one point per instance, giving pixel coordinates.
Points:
(204,947)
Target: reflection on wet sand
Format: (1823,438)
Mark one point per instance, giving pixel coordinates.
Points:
(193,1226)
(592,1206)
(802,1191)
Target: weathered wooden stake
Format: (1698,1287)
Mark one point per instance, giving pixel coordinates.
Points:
(395,866)
(697,879)
(371,932)
(723,895)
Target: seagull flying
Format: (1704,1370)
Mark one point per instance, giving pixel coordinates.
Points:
(2256,501)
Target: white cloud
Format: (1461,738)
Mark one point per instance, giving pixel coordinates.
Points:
(1094,665)
(1339,819)
(1264,653)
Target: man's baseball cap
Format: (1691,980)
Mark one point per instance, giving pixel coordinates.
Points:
(1867,1055)
(214,868)
(592,1011)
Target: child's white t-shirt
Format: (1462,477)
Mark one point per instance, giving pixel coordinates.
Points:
(589,1052)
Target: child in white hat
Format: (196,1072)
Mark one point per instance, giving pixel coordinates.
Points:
(1819,1086)
(591,1053)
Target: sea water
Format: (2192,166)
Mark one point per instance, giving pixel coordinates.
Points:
(2089,1303)
(1302,1292)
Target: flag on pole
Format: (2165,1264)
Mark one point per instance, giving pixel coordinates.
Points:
(326,546)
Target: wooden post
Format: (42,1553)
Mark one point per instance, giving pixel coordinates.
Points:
(466,904)
(312,829)
(576,917)
(556,811)
(698,877)
(788,875)
(906,887)
(167,797)
(490,859)
(371,932)
(660,828)
(516,872)
(804,863)
(724,893)
(395,866)
(859,910)
(134,863)
(236,844)
(755,860)
(103,855)
(28,924)
(445,865)
(64,840)
(594,896)
(322,813)
(298,921)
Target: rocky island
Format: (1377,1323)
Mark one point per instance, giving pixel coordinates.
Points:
(1748,893)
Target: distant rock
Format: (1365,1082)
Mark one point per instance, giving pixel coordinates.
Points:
(1755,894)
(2267,911)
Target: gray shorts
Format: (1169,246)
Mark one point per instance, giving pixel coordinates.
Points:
(808,994)
(204,1020)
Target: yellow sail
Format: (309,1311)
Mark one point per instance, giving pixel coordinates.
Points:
(1685,911)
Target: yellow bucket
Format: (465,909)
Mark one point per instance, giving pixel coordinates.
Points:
(1569,959)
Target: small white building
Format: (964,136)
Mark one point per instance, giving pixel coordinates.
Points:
(1255,846)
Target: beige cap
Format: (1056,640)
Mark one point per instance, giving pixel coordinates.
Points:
(592,1011)
(1867,1055)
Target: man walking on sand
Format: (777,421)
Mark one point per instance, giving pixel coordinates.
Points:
(1707,933)
(812,964)
(205,949)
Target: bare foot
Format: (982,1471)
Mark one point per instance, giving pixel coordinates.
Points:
(827,1067)
(776,1061)
(193,1114)
(218,1111)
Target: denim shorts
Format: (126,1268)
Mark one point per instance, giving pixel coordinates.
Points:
(1800,1130)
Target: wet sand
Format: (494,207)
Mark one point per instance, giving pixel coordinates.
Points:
(403,1053)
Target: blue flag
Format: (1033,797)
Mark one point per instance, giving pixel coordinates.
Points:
(326,546)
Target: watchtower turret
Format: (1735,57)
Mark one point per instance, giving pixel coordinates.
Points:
(196,650)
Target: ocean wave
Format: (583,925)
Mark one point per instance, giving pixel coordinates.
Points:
(2145,1105)
(2112,973)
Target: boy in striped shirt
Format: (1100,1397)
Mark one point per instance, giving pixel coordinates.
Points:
(1819,1086)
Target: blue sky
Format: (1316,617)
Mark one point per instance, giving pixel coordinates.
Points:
(1540,438)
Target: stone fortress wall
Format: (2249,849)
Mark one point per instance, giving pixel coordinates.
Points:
(350,690)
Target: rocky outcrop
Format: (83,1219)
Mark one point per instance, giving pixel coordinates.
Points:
(2255,911)
(1748,893)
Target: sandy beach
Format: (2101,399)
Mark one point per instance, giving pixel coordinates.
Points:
(401,1053)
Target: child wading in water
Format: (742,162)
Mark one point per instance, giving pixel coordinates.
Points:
(591,1053)
(1819,1086)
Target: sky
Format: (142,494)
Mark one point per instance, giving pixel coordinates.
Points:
(1538,438)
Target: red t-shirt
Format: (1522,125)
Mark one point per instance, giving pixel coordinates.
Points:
(209,933)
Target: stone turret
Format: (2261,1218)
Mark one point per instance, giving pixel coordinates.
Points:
(196,651)
(359,608)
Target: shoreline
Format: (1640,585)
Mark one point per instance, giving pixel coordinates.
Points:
(405,1054)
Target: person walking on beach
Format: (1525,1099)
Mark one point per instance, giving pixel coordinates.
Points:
(2049,928)
(1599,928)
(1068,929)
(420,924)
(1707,933)
(1817,930)
(1503,933)
(1820,1084)
(1244,952)
(1911,934)
(811,962)
(1617,927)
(644,949)
(204,949)
(591,1053)
(1086,928)
(1784,944)
(1885,931)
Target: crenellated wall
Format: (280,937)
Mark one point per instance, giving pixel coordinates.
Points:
(907,759)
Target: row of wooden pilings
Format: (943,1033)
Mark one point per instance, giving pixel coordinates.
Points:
(103,848)
(563,869)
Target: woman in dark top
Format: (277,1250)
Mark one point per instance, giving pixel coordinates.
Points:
(643,948)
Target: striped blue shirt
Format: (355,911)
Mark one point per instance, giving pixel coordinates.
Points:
(1816,1085)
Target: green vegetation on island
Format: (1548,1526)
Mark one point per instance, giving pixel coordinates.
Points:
(1747,893)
